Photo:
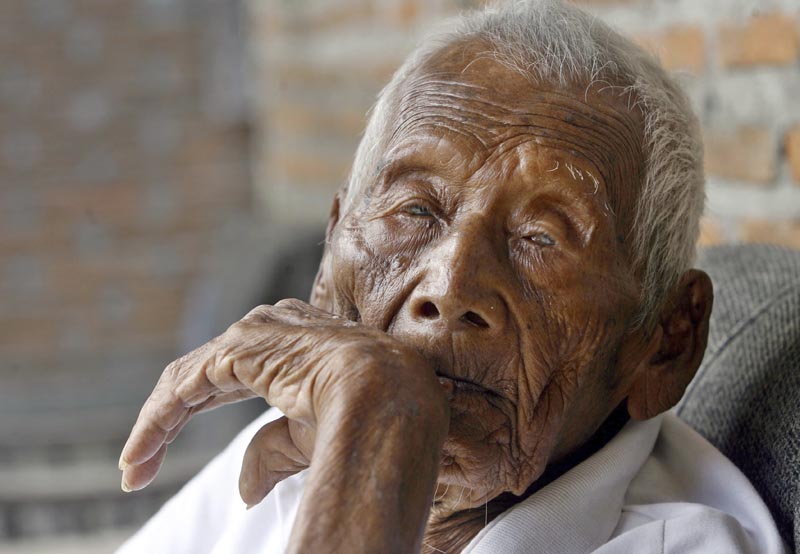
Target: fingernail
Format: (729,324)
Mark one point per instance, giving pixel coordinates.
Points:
(122,464)
(250,506)
(125,487)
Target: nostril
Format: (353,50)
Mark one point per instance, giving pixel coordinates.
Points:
(475,319)
(428,310)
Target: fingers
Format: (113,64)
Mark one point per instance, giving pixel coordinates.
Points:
(271,457)
(297,312)
(243,362)
(210,404)
(162,412)
(135,477)
(182,391)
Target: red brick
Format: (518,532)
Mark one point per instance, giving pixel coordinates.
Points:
(354,11)
(603,2)
(289,117)
(405,13)
(785,233)
(765,39)
(679,48)
(711,232)
(310,168)
(113,202)
(746,154)
(308,75)
(50,234)
(793,152)
(24,335)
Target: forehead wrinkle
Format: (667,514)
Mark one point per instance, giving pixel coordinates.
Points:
(565,100)
(568,135)
(594,138)
(596,128)
(603,107)
(595,151)
(613,129)
(438,122)
(562,145)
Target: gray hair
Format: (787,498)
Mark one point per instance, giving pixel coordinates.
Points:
(549,41)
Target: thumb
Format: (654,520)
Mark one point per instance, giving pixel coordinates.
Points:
(272,456)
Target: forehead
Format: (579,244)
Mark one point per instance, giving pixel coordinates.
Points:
(475,108)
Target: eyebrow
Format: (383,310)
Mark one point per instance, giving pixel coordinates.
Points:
(391,172)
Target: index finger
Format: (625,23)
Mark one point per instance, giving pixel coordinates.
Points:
(162,412)
(182,386)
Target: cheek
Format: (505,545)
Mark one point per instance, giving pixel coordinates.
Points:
(478,452)
(369,271)
(582,395)
(567,355)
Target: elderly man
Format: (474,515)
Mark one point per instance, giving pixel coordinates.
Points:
(506,282)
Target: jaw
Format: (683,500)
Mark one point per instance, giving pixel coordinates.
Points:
(483,454)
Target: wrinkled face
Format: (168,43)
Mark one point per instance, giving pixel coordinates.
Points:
(492,238)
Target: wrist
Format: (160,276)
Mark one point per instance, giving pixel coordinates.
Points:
(377,453)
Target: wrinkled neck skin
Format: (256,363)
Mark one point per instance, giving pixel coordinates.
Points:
(452,531)
(493,238)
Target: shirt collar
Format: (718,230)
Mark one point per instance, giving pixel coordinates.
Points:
(578,511)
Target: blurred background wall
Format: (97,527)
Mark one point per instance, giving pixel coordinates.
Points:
(160,160)
(124,152)
(319,63)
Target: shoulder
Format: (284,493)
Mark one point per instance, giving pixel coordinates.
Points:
(688,497)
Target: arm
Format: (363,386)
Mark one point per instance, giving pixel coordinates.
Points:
(367,411)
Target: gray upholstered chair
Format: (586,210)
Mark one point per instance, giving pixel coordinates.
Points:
(745,398)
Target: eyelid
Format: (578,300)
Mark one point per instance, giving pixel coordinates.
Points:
(561,226)
(395,173)
(408,202)
(407,186)
(551,241)
(530,232)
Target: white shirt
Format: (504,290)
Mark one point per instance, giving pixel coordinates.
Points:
(657,487)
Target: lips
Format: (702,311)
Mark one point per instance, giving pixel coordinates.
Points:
(452,385)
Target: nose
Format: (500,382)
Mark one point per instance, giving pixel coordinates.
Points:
(459,288)
(428,308)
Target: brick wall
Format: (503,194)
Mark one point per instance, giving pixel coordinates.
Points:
(122,160)
(323,62)
(118,166)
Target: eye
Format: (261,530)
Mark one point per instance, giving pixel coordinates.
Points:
(541,239)
(417,210)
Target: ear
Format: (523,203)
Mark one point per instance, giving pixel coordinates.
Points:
(322,291)
(675,349)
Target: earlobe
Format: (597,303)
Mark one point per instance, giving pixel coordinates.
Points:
(322,291)
(678,345)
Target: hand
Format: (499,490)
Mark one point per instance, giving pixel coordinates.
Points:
(367,408)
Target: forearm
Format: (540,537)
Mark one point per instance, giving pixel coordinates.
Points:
(371,485)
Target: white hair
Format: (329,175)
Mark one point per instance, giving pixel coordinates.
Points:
(553,42)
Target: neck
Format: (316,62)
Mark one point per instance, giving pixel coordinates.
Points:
(452,532)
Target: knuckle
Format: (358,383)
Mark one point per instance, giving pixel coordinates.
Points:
(172,372)
(222,361)
(290,303)
(259,314)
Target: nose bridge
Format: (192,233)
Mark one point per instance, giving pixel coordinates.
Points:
(464,255)
(459,285)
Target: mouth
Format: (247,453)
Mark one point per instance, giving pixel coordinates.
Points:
(453,384)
